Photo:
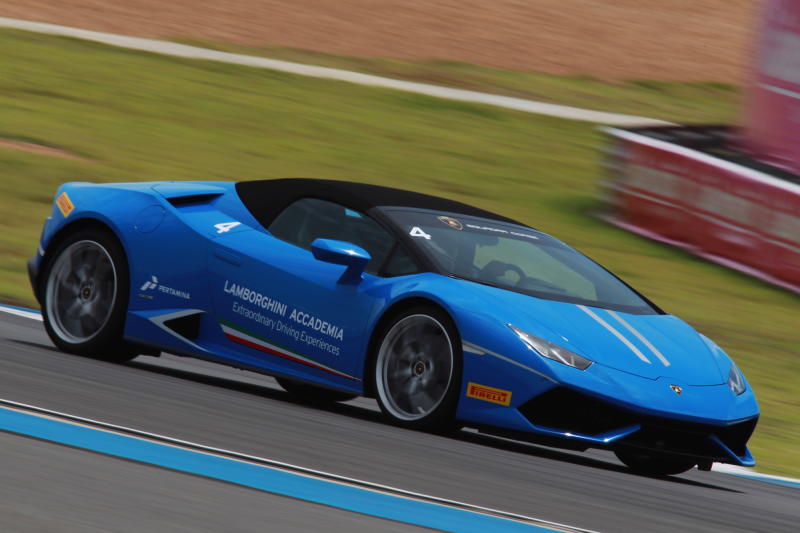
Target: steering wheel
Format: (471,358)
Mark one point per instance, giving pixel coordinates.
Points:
(495,269)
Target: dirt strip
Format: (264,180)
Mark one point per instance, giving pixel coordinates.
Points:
(40,149)
(686,40)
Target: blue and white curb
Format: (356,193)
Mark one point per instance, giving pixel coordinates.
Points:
(748,473)
(239,469)
(33,314)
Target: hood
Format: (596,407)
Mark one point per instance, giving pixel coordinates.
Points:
(650,346)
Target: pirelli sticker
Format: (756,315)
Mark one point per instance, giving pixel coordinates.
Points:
(64,204)
(489,394)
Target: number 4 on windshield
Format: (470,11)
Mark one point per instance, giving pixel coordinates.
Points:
(416,231)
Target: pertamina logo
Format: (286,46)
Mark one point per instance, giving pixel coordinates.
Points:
(64,204)
(153,284)
(489,394)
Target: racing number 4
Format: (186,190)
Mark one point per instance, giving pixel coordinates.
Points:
(224,227)
(416,231)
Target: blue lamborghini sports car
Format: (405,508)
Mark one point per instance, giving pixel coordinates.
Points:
(448,315)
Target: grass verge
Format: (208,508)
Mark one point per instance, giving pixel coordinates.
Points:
(133,116)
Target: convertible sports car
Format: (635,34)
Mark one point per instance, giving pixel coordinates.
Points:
(448,315)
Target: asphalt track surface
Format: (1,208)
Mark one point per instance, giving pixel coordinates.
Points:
(75,490)
(53,488)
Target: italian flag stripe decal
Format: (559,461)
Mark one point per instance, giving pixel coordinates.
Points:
(240,336)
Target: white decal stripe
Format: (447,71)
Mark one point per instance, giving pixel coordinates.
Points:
(254,340)
(640,337)
(293,355)
(616,333)
(478,350)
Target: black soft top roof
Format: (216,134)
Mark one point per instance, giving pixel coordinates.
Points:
(265,199)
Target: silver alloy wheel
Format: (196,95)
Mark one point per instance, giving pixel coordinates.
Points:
(414,367)
(81,291)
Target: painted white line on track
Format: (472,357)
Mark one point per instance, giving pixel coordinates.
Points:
(717,467)
(463,95)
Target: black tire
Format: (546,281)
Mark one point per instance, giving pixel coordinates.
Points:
(84,287)
(416,369)
(312,394)
(654,463)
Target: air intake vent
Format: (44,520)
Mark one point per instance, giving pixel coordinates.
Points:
(567,410)
(187,327)
(194,199)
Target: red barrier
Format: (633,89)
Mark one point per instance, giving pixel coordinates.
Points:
(771,130)
(728,213)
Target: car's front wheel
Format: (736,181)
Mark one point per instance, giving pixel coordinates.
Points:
(85,293)
(417,371)
(654,463)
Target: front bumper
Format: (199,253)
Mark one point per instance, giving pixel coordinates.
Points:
(580,417)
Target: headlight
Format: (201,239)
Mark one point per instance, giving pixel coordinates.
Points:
(552,351)
(736,380)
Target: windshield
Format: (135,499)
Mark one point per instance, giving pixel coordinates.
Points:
(515,258)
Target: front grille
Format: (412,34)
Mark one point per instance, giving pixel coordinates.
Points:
(566,410)
(674,440)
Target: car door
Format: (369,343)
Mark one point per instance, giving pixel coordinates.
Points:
(284,310)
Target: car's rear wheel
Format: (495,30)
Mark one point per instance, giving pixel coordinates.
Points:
(85,289)
(417,370)
(313,394)
(654,463)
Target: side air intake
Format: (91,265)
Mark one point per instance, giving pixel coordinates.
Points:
(187,327)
